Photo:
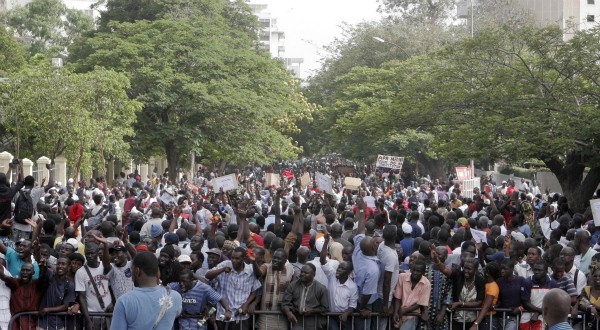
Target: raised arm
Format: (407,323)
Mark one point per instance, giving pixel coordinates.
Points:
(360,217)
(51,174)
(439,264)
(105,254)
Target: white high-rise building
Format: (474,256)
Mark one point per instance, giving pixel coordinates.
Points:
(569,15)
(272,37)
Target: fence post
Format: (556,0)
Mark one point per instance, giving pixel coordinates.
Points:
(42,170)
(27,167)
(144,172)
(5,159)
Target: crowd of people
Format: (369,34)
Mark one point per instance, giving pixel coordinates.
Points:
(395,252)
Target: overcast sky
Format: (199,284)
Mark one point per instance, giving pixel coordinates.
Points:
(312,24)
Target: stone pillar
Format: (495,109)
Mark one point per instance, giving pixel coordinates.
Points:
(60,170)
(111,173)
(27,167)
(151,166)
(159,167)
(144,172)
(42,170)
(5,159)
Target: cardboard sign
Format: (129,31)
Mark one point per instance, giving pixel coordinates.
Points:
(479,236)
(273,179)
(227,182)
(352,183)
(595,206)
(305,180)
(325,183)
(391,162)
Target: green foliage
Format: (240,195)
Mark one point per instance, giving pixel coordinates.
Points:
(205,86)
(11,53)
(57,112)
(48,25)
(418,10)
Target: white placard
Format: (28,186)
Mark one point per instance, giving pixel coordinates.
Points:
(273,179)
(325,183)
(352,183)
(595,206)
(227,182)
(479,236)
(392,162)
(305,180)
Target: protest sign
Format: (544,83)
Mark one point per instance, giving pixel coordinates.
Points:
(273,179)
(352,183)
(391,162)
(227,182)
(479,236)
(305,180)
(325,183)
(463,173)
(345,170)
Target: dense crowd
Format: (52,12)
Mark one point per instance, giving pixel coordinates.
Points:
(397,251)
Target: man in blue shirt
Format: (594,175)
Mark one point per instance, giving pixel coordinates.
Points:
(149,305)
(195,295)
(366,270)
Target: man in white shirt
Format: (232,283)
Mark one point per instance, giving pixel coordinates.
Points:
(571,271)
(343,292)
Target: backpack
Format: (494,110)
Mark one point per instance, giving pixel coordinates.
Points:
(23,207)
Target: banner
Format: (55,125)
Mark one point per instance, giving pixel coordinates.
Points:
(352,183)
(305,180)
(273,179)
(479,236)
(325,183)
(391,162)
(227,182)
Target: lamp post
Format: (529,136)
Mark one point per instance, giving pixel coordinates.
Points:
(472,31)
(383,41)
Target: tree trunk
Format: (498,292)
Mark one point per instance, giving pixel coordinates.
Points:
(172,160)
(570,176)
(78,167)
(434,167)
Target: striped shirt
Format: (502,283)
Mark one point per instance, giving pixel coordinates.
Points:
(566,284)
(236,288)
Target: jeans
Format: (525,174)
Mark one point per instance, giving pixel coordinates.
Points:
(363,324)
(380,323)
(410,324)
(490,324)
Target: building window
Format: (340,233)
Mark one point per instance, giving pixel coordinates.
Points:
(591,2)
(591,18)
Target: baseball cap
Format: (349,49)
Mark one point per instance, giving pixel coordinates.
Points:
(171,238)
(406,228)
(117,248)
(74,242)
(184,258)
(155,230)
(214,251)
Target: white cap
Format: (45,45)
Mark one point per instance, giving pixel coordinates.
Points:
(73,242)
(406,228)
(184,258)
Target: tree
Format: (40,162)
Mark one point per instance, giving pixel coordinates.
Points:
(514,94)
(48,25)
(11,53)
(434,11)
(205,84)
(56,112)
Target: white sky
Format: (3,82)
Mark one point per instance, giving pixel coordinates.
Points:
(312,24)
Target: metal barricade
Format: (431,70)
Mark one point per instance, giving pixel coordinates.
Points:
(31,320)
(267,320)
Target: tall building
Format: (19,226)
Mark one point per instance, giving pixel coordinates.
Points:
(569,15)
(273,38)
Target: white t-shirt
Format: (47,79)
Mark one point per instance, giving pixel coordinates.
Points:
(83,284)
(120,279)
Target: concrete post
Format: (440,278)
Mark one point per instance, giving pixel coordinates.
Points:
(27,167)
(144,172)
(5,159)
(42,171)
(60,175)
